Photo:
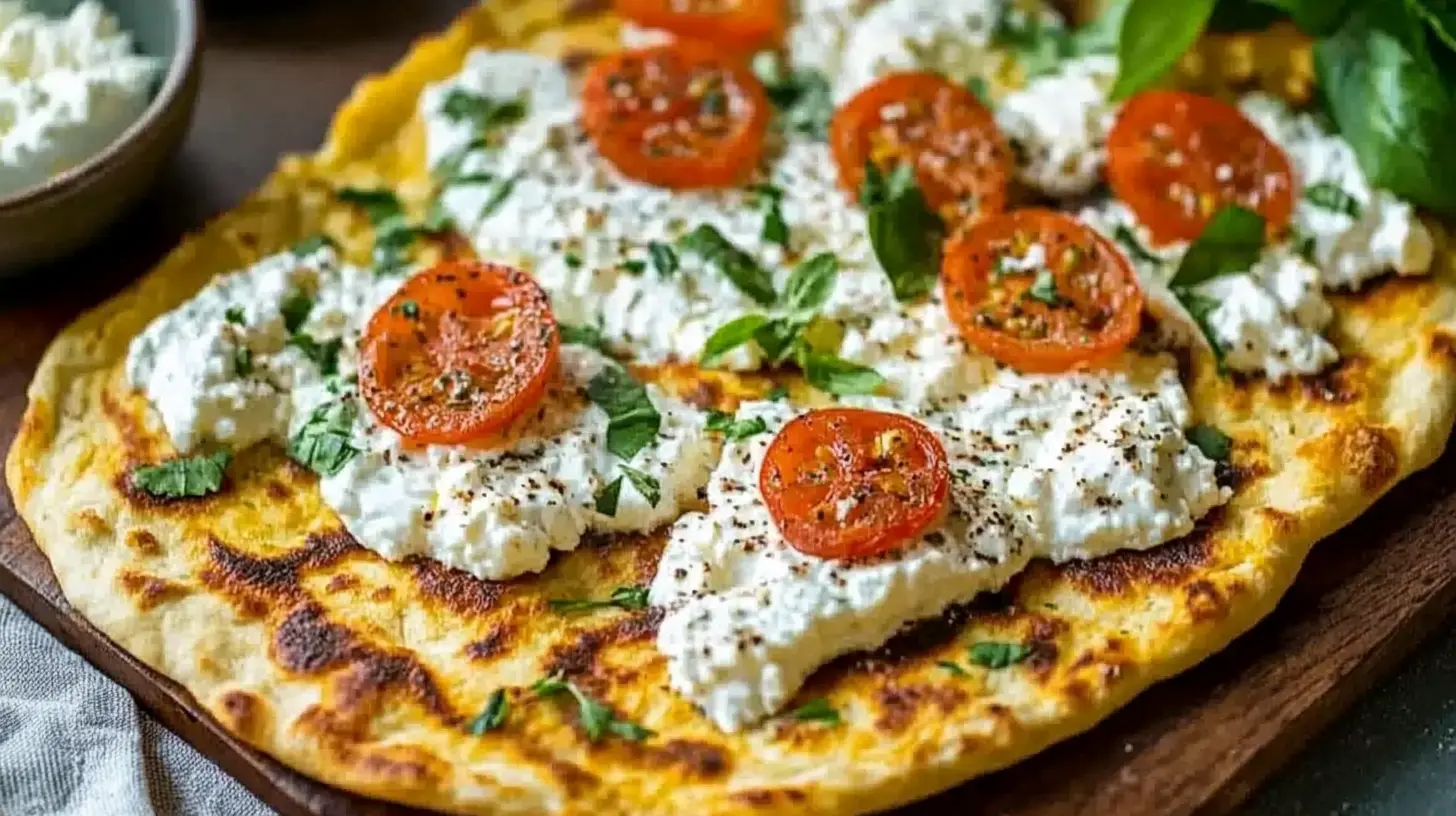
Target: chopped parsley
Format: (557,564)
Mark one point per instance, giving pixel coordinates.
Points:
(497,709)
(243,361)
(633,267)
(1330,196)
(1215,444)
(905,233)
(738,266)
(324,444)
(482,112)
(998,655)
(235,316)
(624,597)
(735,429)
(632,420)
(295,310)
(597,720)
(408,309)
(190,477)
(816,710)
(573,260)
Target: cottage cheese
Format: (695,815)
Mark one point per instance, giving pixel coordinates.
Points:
(951,38)
(495,511)
(1063,467)
(68,87)
(1384,236)
(817,38)
(1059,124)
(581,228)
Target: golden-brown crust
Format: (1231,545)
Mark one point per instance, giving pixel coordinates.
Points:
(365,673)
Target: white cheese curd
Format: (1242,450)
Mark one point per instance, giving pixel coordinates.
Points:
(951,38)
(188,360)
(495,510)
(584,231)
(1059,124)
(1382,234)
(499,511)
(1059,467)
(820,29)
(68,87)
(1269,320)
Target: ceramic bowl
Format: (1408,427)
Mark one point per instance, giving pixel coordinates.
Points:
(50,220)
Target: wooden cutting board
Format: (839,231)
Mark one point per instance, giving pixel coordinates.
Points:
(1196,744)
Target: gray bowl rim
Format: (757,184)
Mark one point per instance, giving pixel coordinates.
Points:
(184,59)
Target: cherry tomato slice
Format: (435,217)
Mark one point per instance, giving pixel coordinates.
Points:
(744,26)
(961,160)
(460,351)
(1177,158)
(682,116)
(851,483)
(1040,291)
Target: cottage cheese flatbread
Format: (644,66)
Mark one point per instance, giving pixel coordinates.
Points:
(364,673)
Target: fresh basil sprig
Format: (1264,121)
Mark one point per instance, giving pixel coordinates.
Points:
(905,233)
(803,96)
(482,112)
(597,720)
(632,420)
(1231,242)
(190,477)
(1214,444)
(738,266)
(497,709)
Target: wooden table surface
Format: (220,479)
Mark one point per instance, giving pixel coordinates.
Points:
(273,73)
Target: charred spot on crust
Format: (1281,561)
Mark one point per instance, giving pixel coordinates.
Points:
(702,760)
(277,491)
(1368,453)
(1164,565)
(497,643)
(578,658)
(1204,601)
(705,393)
(243,712)
(236,573)
(1340,384)
(458,590)
(899,704)
(342,582)
(143,542)
(768,797)
(1443,345)
(149,591)
(307,642)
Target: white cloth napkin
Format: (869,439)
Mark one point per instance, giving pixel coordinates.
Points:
(73,743)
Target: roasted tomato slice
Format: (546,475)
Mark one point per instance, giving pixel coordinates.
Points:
(1041,292)
(460,351)
(851,483)
(1177,158)
(682,115)
(745,26)
(961,160)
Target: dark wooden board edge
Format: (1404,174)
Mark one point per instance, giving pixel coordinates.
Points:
(1198,743)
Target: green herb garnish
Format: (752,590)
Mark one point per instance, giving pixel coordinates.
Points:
(625,597)
(597,720)
(735,429)
(738,266)
(816,710)
(1215,444)
(324,443)
(497,709)
(998,655)
(191,477)
(632,420)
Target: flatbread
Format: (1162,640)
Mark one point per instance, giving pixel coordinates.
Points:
(364,673)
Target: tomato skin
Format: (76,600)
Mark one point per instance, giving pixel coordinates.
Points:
(1101,303)
(890,470)
(1176,158)
(962,161)
(745,26)
(682,116)
(459,352)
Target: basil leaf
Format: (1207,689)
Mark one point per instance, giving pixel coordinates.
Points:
(295,310)
(730,336)
(647,487)
(236,316)
(607,498)
(811,283)
(717,251)
(803,97)
(482,112)
(1330,196)
(1155,34)
(1232,242)
(626,597)
(1392,102)
(309,246)
(778,338)
(632,421)
(1199,308)
(325,355)
(324,444)
(583,336)
(998,655)
(953,668)
(1215,444)
(497,708)
(191,477)
(498,195)
(905,233)
(664,259)
(834,375)
(596,719)
(450,169)
(1124,235)
(379,204)
(777,394)
(634,268)
(770,200)
(816,710)
(735,429)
